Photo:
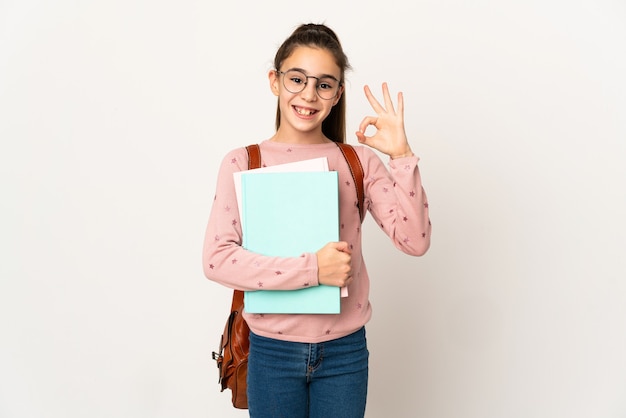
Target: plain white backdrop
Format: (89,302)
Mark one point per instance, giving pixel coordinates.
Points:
(114,117)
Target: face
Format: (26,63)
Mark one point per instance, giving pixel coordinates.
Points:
(305,111)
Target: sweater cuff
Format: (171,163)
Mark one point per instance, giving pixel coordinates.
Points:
(314,279)
(399,162)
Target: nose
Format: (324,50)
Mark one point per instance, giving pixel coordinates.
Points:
(309,93)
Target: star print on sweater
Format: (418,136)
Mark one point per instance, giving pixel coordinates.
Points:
(394,198)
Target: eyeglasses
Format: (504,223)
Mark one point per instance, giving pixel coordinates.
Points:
(295,81)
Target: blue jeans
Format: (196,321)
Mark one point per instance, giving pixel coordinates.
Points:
(301,380)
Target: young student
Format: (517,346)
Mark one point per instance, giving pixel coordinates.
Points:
(317,365)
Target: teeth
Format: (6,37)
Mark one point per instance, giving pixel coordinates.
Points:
(304,112)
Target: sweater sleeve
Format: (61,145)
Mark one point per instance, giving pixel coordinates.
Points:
(227,262)
(397,201)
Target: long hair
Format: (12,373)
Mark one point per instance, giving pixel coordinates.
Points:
(319,36)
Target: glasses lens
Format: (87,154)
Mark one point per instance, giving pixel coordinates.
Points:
(294,81)
(327,88)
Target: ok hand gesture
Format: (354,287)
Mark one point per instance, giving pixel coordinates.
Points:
(390,137)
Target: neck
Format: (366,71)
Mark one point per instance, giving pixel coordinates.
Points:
(297,137)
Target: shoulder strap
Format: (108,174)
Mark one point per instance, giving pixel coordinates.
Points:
(254,156)
(356,169)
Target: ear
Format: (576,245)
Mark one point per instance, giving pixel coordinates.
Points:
(273,78)
(339,93)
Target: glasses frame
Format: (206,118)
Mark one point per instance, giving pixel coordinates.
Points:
(317,85)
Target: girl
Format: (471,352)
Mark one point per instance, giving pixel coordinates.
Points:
(317,365)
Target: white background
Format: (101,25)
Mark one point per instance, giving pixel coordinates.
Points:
(114,117)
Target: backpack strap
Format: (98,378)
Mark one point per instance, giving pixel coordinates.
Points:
(356,169)
(254,156)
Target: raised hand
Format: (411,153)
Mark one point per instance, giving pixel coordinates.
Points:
(390,136)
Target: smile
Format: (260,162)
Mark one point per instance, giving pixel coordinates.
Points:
(304,112)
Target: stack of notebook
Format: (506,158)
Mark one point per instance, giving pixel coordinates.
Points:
(285,214)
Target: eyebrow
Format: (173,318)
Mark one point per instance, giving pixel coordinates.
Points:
(302,70)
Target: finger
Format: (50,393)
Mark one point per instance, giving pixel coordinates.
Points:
(400,103)
(343,246)
(373,102)
(346,281)
(387,98)
(367,121)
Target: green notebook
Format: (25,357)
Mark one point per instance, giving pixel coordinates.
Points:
(286,215)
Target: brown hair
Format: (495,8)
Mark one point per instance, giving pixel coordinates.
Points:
(319,36)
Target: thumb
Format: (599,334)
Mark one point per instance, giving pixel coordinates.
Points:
(342,246)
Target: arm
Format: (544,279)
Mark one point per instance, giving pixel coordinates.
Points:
(227,262)
(396,197)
